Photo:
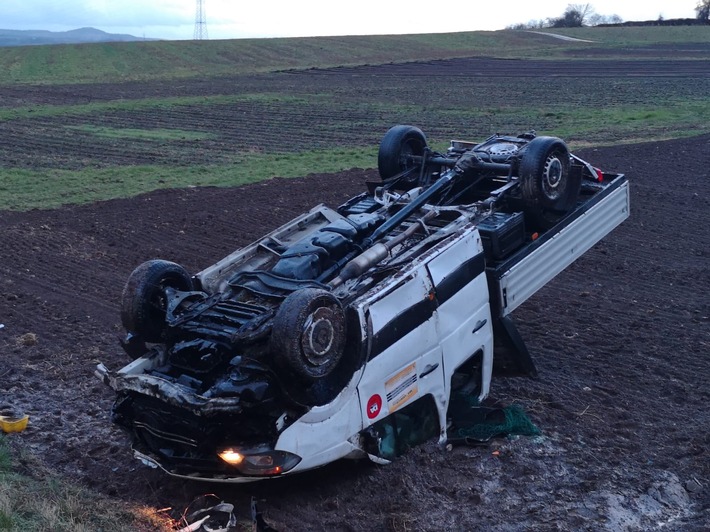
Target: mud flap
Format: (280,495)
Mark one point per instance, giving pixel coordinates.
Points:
(511,356)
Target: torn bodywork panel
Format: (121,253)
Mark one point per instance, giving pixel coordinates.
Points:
(334,332)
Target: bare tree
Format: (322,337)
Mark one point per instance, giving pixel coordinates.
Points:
(575,16)
(597,20)
(703,10)
(585,11)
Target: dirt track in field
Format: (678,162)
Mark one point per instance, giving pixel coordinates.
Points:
(621,340)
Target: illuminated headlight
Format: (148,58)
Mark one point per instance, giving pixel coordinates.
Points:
(231,457)
(259,463)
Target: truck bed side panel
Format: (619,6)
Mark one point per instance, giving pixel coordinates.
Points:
(513,282)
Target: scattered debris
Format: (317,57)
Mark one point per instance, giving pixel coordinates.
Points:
(585,412)
(27,340)
(474,424)
(693,486)
(216,518)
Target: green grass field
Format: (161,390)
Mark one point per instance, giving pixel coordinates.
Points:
(169,60)
(34,499)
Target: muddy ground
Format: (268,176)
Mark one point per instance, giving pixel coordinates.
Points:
(621,340)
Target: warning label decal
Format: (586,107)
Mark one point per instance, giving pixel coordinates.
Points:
(401,387)
(374,405)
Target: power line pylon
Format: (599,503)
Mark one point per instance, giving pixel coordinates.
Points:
(200,22)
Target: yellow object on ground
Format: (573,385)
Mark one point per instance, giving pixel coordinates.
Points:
(12,422)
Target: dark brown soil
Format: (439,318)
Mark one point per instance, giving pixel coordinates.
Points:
(621,340)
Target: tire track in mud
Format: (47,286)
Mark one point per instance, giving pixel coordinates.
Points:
(65,266)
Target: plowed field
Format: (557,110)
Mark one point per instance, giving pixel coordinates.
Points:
(300,111)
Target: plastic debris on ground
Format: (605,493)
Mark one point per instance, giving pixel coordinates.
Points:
(12,420)
(473,424)
(216,518)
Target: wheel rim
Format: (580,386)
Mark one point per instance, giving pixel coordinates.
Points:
(159,299)
(407,151)
(552,178)
(318,337)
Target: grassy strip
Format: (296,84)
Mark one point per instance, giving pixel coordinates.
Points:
(583,127)
(22,189)
(142,134)
(645,124)
(637,36)
(566,119)
(180,59)
(49,111)
(32,501)
(598,125)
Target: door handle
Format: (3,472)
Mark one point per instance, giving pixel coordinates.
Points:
(430,368)
(479,325)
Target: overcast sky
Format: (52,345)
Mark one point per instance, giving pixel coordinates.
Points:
(233,19)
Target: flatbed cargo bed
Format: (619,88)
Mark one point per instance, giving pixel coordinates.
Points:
(513,280)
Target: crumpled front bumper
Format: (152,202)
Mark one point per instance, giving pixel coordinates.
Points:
(188,435)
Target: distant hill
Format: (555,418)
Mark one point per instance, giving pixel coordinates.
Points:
(81,35)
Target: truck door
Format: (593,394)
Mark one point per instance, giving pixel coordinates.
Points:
(405,356)
(464,320)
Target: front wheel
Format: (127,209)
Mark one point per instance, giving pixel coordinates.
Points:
(396,148)
(308,334)
(549,188)
(144,302)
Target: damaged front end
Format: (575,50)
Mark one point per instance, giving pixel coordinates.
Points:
(251,368)
(217,425)
(226,360)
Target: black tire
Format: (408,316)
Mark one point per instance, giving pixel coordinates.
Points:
(396,145)
(549,188)
(308,334)
(143,302)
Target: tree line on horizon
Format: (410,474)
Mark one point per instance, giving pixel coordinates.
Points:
(581,15)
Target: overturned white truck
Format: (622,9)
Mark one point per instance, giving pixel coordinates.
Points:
(319,341)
